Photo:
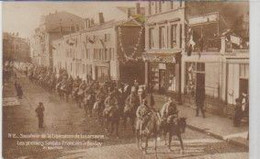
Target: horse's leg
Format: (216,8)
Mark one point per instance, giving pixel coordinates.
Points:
(155,145)
(164,135)
(137,138)
(90,110)
(170,140)
(146,145)
(111,127)
(67,97)
(106,124)
(124,118)
(181,142)
(79,102)
(117,126)
(133,124)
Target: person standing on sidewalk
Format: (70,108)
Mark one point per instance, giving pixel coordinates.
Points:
(19,90)
(238,114)
(200,97)
(40,114)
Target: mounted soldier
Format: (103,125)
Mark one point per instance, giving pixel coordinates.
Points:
(143,114)
(169,111)
(111,103)
(131,105)
(89,100)
(131,102)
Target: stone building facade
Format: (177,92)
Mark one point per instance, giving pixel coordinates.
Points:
(102,50)
(219,60)
(52,27)
(15,48)
(164,44)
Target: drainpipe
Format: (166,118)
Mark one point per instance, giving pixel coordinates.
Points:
(179,61)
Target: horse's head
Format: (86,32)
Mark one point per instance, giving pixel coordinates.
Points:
(182,124)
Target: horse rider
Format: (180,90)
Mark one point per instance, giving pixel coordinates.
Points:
(141,93)
(169,111)
(143,114)
(111,103)
(131,101)
(136,85)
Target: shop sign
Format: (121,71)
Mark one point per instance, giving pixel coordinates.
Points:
(162,66)
(204,19)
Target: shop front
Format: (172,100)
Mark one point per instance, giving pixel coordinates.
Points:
(162,77)
(162,74)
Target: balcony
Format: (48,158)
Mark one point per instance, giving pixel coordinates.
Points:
(220,45)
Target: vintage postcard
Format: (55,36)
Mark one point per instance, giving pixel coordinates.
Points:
(118,79)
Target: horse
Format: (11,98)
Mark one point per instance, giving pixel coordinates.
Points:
(88,102)
(150,129)
(129,111)
(174,126)
(80,97)
(98,108)
(112,116)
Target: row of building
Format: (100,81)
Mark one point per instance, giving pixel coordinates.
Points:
(15,48)
(175,46)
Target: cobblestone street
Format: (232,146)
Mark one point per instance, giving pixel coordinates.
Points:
(67,119)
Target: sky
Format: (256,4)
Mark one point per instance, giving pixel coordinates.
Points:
(24,17)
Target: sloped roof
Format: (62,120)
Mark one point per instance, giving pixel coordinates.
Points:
(62,18)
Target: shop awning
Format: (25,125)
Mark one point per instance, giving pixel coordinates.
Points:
(160,57)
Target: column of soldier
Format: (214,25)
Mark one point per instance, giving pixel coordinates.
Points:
(110,102)
(94,97)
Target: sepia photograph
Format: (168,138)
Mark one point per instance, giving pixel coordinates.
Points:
(125,79)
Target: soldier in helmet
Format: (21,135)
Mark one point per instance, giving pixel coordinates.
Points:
(111,103)
(142,114)
(132,101)
(169,111)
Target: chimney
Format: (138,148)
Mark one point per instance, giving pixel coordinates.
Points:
(137,8)
(101,18)
(128,12)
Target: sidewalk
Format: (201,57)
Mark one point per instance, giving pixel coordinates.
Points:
(216,126)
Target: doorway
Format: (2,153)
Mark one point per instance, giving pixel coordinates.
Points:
(243,86)
(162,81)
(200,83)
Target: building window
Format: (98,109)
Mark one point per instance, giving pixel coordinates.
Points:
(77,26)
(72,28)
(244,70)
(99,53)
(151,38)
(162,37)
(156,7)
(173,36)
(107,37)
(160,6)
(86,53)
(83,67)
(150,9)
(200,67)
